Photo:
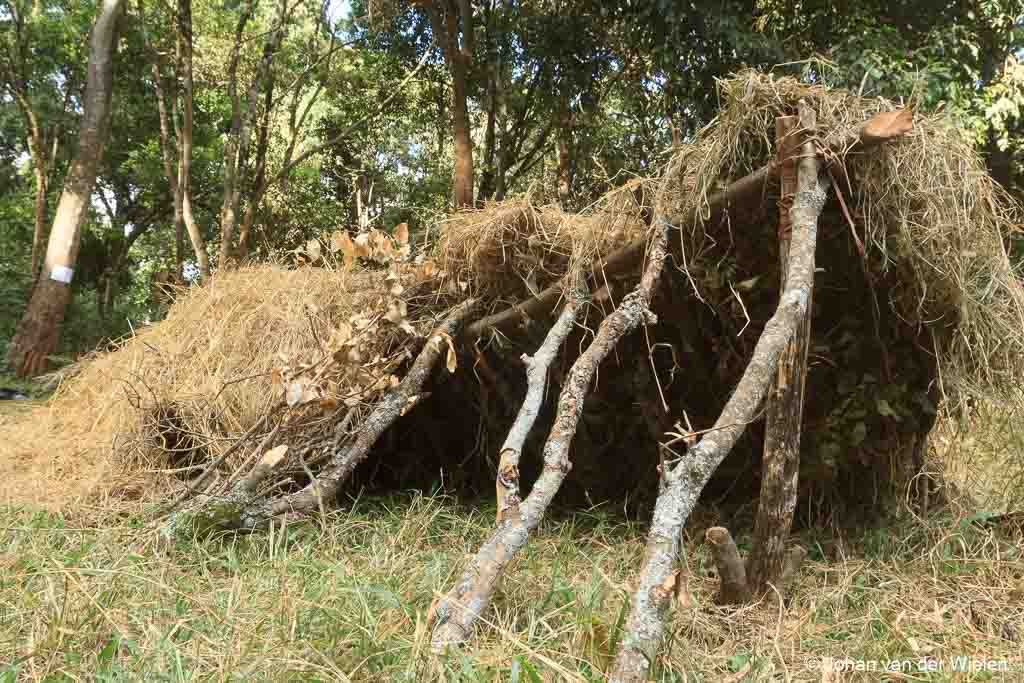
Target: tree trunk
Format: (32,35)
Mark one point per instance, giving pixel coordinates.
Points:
(237,151)
(780,465)
(185,138)
(39,231)
(502,135)
(565,160)
(444,22)
(462,184)
(259,186)
(227,219)
(39,329)
(487,178)
(37,151)
(170,173)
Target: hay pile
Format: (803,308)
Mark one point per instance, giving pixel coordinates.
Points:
(181,391)
(513,249)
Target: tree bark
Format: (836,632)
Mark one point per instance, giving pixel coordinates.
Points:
(488,178)
(259,185)
(444,18)
(684,482)
(231,144)
(780,465)
(462,183)
(39,328)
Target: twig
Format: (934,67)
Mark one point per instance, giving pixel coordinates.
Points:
(197,487)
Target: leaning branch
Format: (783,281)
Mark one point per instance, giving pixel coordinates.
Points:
(325,487)
(684,482)
(456,613)
(537,367)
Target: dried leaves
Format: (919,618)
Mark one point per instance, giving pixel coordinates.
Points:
(361,355)
(372,245)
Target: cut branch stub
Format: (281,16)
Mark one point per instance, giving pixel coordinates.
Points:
(685,481)
(732,575)
(780,464)
(455,614)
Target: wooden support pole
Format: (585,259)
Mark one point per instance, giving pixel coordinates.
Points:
(683,483)
(780,464)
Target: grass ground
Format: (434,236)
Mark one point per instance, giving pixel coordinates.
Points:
(346,599)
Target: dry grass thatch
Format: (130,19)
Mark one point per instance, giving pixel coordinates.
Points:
(513,248)
(924,206)
(203,376)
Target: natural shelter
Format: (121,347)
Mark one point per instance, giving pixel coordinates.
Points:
(770,326)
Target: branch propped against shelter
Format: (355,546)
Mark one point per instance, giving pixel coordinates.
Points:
(455,614)
(393,405)
(744,192)
(537,367)
(684,482)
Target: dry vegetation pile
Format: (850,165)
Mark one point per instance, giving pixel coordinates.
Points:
(515,248)
(920,232)
(161,404)
(919,238)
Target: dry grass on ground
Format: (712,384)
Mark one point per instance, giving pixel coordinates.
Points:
(346,601)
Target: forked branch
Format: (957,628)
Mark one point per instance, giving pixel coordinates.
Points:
(537,367)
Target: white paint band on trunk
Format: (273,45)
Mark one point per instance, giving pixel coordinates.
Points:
(62,274)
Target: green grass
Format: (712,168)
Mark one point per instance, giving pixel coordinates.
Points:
(346,599)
